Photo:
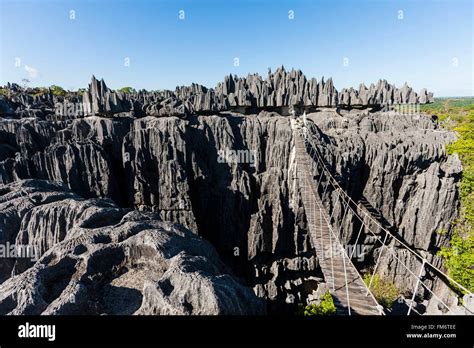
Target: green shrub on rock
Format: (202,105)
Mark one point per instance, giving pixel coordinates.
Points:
(324,307)
(384,291)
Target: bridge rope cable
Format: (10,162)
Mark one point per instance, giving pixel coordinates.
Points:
(401,262)
(383,244)
(347,200)
(339,188)
(343,253)
(347,287)
(397,258)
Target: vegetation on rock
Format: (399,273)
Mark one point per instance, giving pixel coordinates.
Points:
(127,90)
(384,291)
(58,91)
(324,307)
(458,114)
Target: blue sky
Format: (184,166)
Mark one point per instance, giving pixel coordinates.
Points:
(431,46)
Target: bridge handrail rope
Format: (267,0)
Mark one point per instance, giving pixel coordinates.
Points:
(422,268)
(347,286)
(343,250)
(349,259)
(424,262)
(393,253)
(337,187)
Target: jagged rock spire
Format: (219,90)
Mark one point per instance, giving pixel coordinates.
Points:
(280,89)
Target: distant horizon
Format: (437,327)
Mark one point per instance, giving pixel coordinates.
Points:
(326,78)
(168,43)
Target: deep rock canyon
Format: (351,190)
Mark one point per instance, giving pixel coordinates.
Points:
(130,199)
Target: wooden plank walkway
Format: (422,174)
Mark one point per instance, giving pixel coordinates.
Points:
(332,259)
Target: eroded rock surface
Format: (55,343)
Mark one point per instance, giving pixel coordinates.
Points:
(251,210)
(165,153)
(282,91)
(97,258)
(396,166)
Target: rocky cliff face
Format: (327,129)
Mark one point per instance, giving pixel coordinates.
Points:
(395,166)
(251,211)
(96,258)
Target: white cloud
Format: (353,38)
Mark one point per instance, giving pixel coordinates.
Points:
(32,72)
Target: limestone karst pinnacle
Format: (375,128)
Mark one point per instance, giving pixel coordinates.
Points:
(126,154)
(280,91)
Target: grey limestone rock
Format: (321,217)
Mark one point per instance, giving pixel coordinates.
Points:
(97,258)
(279,91)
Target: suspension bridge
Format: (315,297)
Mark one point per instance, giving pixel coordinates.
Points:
(351,294)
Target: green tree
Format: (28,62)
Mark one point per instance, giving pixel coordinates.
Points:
(127,90)
(38,91)
(459,257)
(58,91)
(458,114)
